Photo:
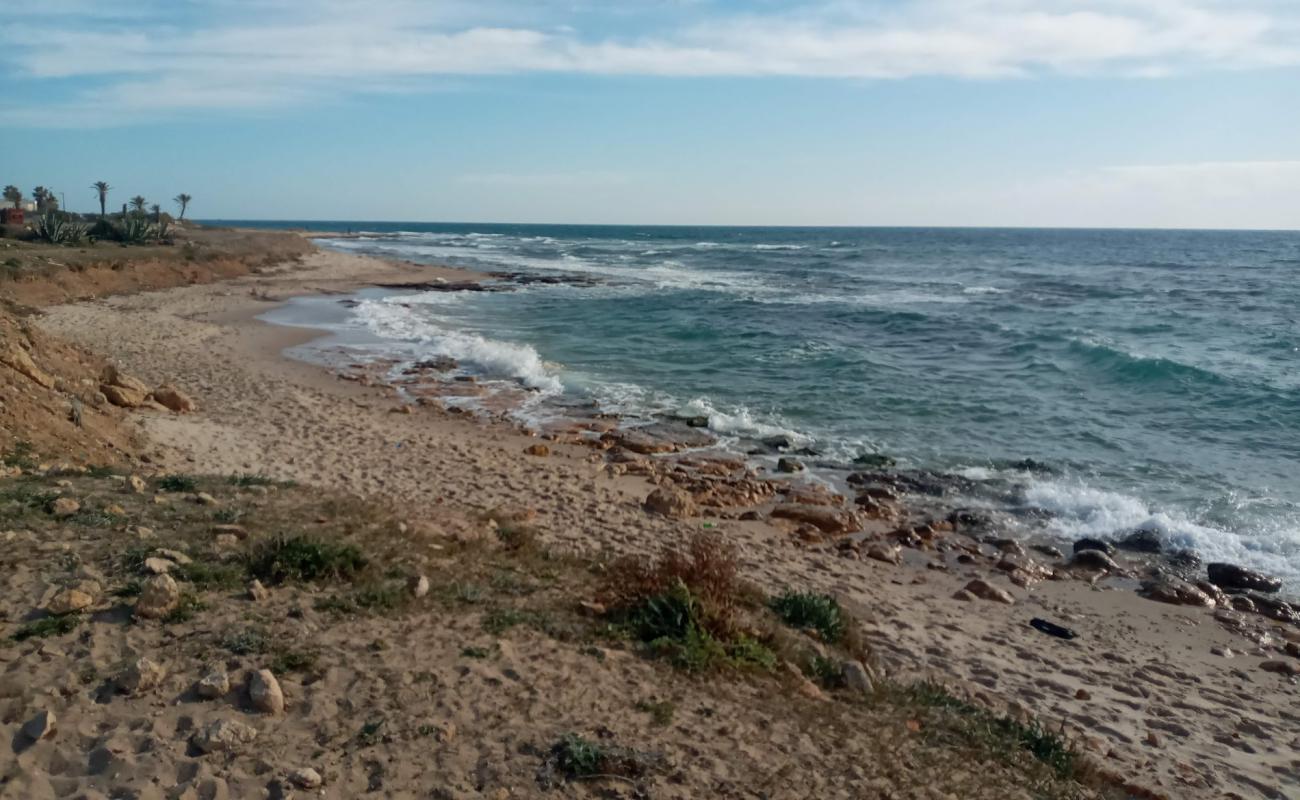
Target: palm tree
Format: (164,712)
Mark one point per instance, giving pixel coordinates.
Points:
(157,212)
(138,203)
(102,187)
(14,195)
(182,200)
(42,197)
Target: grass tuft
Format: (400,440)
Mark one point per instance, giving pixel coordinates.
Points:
(300,558)
(177,483)
(48,626)
(808,611)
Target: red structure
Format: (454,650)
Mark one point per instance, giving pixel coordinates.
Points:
(11,216)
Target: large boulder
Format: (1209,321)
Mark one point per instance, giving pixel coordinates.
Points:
(1142,540)
(1094,560)
(669,501)
(661,437)
(1231,576)
(1090,543)
(124,397)
(825,518)
(1167,589)
(159,596)
(17,358)
(264,692)
(174,399)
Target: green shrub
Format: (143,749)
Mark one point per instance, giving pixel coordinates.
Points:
(177,483)
(301,558)
(809,611)
(48,626)
(54,227)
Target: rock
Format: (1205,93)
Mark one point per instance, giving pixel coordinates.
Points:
(964,596)
(1178,592)
(64,507)
(1288,668)
(670,502)
(205,499)
(1048,550)
(789,465)
(238,531)
(825,518)
(264,692)
(779,442)
(305,778)
(1094,559)
(139,676)
(661,438)
(257,592)
(69,601)
(1083,694)
(16,358)
(136,484)
(123,397)
(418,585)
(213,685)
(883,552)
(1222,652)
(987,591)
(1231,576)
(223,736)
(158,566)
(538,449)
(159,596)
(857,677)
(225,541)
(1143,540)
(1088,543)
(173,399)
(41,726)
(874,461)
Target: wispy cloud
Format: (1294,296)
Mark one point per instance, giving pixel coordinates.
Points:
(151,58)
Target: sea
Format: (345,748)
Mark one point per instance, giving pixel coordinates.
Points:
(1079,382)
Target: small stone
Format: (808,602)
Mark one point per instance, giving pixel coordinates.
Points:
(1094,559)
(1289,668)
(964,596)
(136,484)
(305,778)
(64,507)
(159,596)
(173,399)
(1153,738)
(41,726)
(987,591)
(238,531)
(225,541)
(537,450)
(205,499)
(257,592)
(223,736)
(174,555)
(139,676)
(1083,694)
(789,465)
(213,685)
(883,552)
(69,601)
(418,585)
(158,566)
(264,692)
(857,677)
(1222,652)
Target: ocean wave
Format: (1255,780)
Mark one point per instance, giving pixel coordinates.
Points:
(1139,367)
(983,290)
(1080,510)
(495,359)
(779,247)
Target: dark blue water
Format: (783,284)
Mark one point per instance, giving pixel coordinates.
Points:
(1153,376)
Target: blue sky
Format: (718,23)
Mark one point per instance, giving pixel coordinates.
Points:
(1142,113)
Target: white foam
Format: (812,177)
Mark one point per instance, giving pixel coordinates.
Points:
(983,290)
(1085,511)
(390,320)
(779,247)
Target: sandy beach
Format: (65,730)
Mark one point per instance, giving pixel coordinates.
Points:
(1171,699)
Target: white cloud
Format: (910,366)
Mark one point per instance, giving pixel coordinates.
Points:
(239,54)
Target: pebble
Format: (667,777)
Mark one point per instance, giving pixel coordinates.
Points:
(305,778)
(41,726)
(257,592)
(139,676)
(213,685)
(418,586)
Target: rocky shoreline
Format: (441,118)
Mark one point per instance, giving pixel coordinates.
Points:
(1173,700)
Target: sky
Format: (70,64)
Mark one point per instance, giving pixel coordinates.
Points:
(1054,113)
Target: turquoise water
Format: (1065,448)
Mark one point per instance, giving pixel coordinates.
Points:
(1088,382)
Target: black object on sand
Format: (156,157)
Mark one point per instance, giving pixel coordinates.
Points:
(1051,628)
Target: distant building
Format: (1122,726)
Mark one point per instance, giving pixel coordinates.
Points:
(11,216)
